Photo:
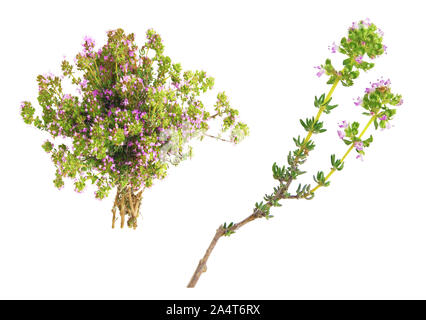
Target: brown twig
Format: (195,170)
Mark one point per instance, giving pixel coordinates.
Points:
(114,207)
(128,203)
(281,194)
(122,214)
(113,217)
(220,232)
(131,202)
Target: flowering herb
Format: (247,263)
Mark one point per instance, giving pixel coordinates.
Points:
(134,113)
(361,46)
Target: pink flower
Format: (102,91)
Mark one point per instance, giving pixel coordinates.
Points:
(358,59)
(343,124)
(340,134)
(320,72)
(358,101)
(400,102)
(359,146)
(384,117)
(360,157)
(366,22)
(84,84)
(89,41)
(126,102)
(333,48)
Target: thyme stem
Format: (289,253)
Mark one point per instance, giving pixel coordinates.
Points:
(347,152)
(281,194)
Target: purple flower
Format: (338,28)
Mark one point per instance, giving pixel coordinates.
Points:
(366,22)
(320,72)
(400,102)
(333,48)
(385,48)
(358,59)
(126,102)
(384,117)
(358,101)
(89,41)
(360,157)
(84,83)
(340,134)
(359,146)
(380,32)
(343,124)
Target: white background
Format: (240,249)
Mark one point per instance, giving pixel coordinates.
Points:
(363,237)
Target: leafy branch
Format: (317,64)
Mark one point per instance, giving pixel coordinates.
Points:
(364,39)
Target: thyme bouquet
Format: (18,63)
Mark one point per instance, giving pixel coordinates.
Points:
(361,46)
(134,112)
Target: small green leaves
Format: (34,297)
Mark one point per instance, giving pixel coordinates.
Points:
(273,199)
(227,229)
(47,146)
(320,179)
(352,129)
(58,181)
(27,112)
(319,101)
(239,132)
(279,173)
(347,75)
(367,142)
(307,124)
(325,105)
(336,164)
(301,143)
(298,142)
(347,142)
(330,71)
(264,209)
(310,125)
(376,101)
(303,192)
